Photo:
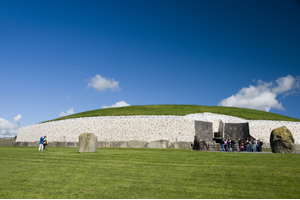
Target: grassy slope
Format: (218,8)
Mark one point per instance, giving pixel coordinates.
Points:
(120,173)
(181,110)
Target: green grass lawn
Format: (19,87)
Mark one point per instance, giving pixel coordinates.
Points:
(116,173)
(181,110)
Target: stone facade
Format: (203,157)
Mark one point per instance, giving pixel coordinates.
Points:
(145,131)
(236,131)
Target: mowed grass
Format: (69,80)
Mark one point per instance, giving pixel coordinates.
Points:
(133,173)
(181,110)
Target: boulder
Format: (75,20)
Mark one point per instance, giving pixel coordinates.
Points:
(87,142)
(282,141)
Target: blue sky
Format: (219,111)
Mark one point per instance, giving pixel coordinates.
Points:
(63,57)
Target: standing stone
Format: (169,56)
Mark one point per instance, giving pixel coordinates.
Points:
(204,131)
(282,141)
(87,142)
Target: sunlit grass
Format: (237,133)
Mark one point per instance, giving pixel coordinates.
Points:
(26,172)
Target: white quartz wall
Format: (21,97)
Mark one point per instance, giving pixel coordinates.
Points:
(146,128)
(113,129)
(261,129)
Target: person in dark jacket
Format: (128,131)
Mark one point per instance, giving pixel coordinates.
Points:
(222,144)
(45,142)
(260,146)
(228,145)
(240,144)
(232,144)
(248,147)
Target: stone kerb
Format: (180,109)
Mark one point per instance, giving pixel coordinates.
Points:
(87,143)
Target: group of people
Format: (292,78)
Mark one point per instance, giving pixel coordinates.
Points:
(244,145)
(228,144)
(43,143)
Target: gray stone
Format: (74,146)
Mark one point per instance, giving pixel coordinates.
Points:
(204,131)
(282,141)
(87,142)
(236,131)
(136,144)
(103,144)
(56,144)
(71,144)
(118,144)
(7,142)
(18,144)
(159,144)
(33,144)
(181,145)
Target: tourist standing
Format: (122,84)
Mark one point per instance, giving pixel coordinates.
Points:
(228,145)
(225,145)
(41,146)
(248,145)
(254,145)
(222,144)
(240,144)
(232,144)
(45,142)
(261,144)
(258,146)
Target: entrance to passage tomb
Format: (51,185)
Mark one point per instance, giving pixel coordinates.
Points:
(206,139)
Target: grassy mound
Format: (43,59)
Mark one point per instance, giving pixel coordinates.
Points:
(181,110)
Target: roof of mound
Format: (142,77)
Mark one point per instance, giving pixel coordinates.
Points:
(181,110)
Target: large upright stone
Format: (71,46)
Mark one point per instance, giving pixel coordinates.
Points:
(87,142)
(282,141)
(236,131)
(204,131)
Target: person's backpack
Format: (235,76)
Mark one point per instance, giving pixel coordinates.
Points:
(261,143)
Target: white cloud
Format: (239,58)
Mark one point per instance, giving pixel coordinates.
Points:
(118,104)
(263,96)
(69,112)
(101,84)
(286,84)
(8,129)
(17,118)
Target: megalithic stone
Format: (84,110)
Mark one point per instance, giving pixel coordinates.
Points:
(282,140)
(87,142)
